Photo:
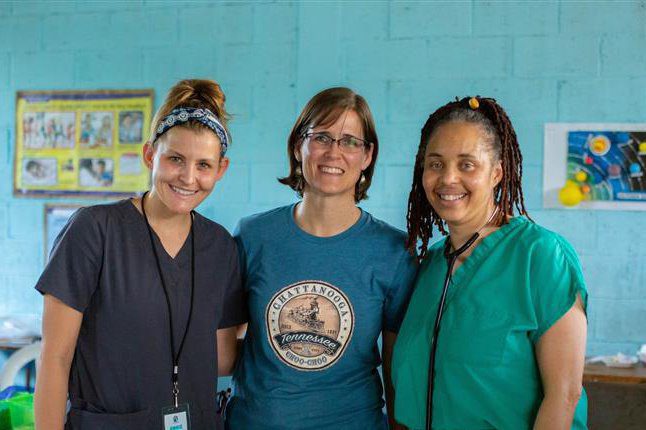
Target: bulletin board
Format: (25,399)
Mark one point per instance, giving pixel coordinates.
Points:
(81,143)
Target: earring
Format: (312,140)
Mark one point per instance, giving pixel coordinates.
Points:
(363,179)
(298,171)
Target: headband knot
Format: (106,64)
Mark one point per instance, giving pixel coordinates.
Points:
(182,115)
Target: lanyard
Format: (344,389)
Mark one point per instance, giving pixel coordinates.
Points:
(174,355)
(451,257)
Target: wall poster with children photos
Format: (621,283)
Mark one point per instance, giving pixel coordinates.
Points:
(81,143)
(595,166)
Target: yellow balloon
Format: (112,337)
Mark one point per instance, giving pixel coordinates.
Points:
(581,176)
(570,195)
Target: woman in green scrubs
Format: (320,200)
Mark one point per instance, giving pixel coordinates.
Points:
(511,341)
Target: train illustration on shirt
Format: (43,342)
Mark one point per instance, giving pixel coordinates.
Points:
(309,324)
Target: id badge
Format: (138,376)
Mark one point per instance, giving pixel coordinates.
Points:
(177,418)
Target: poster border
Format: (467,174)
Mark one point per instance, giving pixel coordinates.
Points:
(96,195)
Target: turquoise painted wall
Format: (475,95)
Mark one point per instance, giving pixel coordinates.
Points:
(544,61)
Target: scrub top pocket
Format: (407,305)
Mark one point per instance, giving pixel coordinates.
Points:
(473,336)
(79,419)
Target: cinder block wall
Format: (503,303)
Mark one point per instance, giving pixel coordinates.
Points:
(544,61)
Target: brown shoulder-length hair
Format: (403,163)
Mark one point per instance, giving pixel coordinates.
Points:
(324,109)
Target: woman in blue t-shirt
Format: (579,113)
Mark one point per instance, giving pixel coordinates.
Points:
(325,279)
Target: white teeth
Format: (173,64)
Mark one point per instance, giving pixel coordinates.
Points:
(182,191)
(334,170)
(451,197)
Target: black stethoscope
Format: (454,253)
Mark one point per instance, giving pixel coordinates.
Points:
(451,258)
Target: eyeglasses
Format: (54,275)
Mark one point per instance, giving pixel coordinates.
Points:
(347,144)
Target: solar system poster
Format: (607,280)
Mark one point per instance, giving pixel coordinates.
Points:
(595,166)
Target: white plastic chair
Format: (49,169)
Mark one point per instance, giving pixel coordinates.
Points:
(16,362)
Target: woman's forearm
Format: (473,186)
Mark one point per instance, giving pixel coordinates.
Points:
(50,399)
(556,412)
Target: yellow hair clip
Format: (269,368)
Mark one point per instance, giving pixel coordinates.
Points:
(474,103)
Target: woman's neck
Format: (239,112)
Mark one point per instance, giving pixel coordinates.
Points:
(326,216)
(481,224)
(160,218)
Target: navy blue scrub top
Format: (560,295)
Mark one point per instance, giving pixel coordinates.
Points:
(102,265)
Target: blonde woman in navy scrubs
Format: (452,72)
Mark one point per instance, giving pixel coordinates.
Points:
(511,342)
(140,294)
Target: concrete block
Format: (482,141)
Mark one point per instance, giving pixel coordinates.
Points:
(424,19)
(78,31)
(619,234)
(265,141)
(535,99)
(318,23)
(42,70)
(394,59)
(532,187)
(233,188)
(274,100)
(515,18)
(145,29)
(105,6)
(42,7)
(26,219)
(257,63)
(109,69)
(22,256)
(377,190)
(375,92)
(196,25)
(613,277)
(623,56)
(414,100)
(239,101)
(398,142)
(577,227)
(223,23)
(163,70)
(398,180)
(463,57)
(599,347)
(530,138)
(265,188)
(393,216)
(20,35)
(364,20)
(20,295)
(274,21)
(556,56)
(603,17)
(620,320)
(602,100)
(4,221)
(318,66)
(5,66)
(235,23)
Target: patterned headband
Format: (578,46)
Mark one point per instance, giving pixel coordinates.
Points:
(184,114)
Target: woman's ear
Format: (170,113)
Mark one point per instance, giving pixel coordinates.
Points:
(148,154)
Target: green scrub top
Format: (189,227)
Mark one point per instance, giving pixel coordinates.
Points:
(513,287)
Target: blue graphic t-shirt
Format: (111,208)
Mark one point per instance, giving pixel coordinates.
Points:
(317,307)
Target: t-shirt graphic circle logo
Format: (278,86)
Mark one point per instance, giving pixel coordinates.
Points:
(309,324)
